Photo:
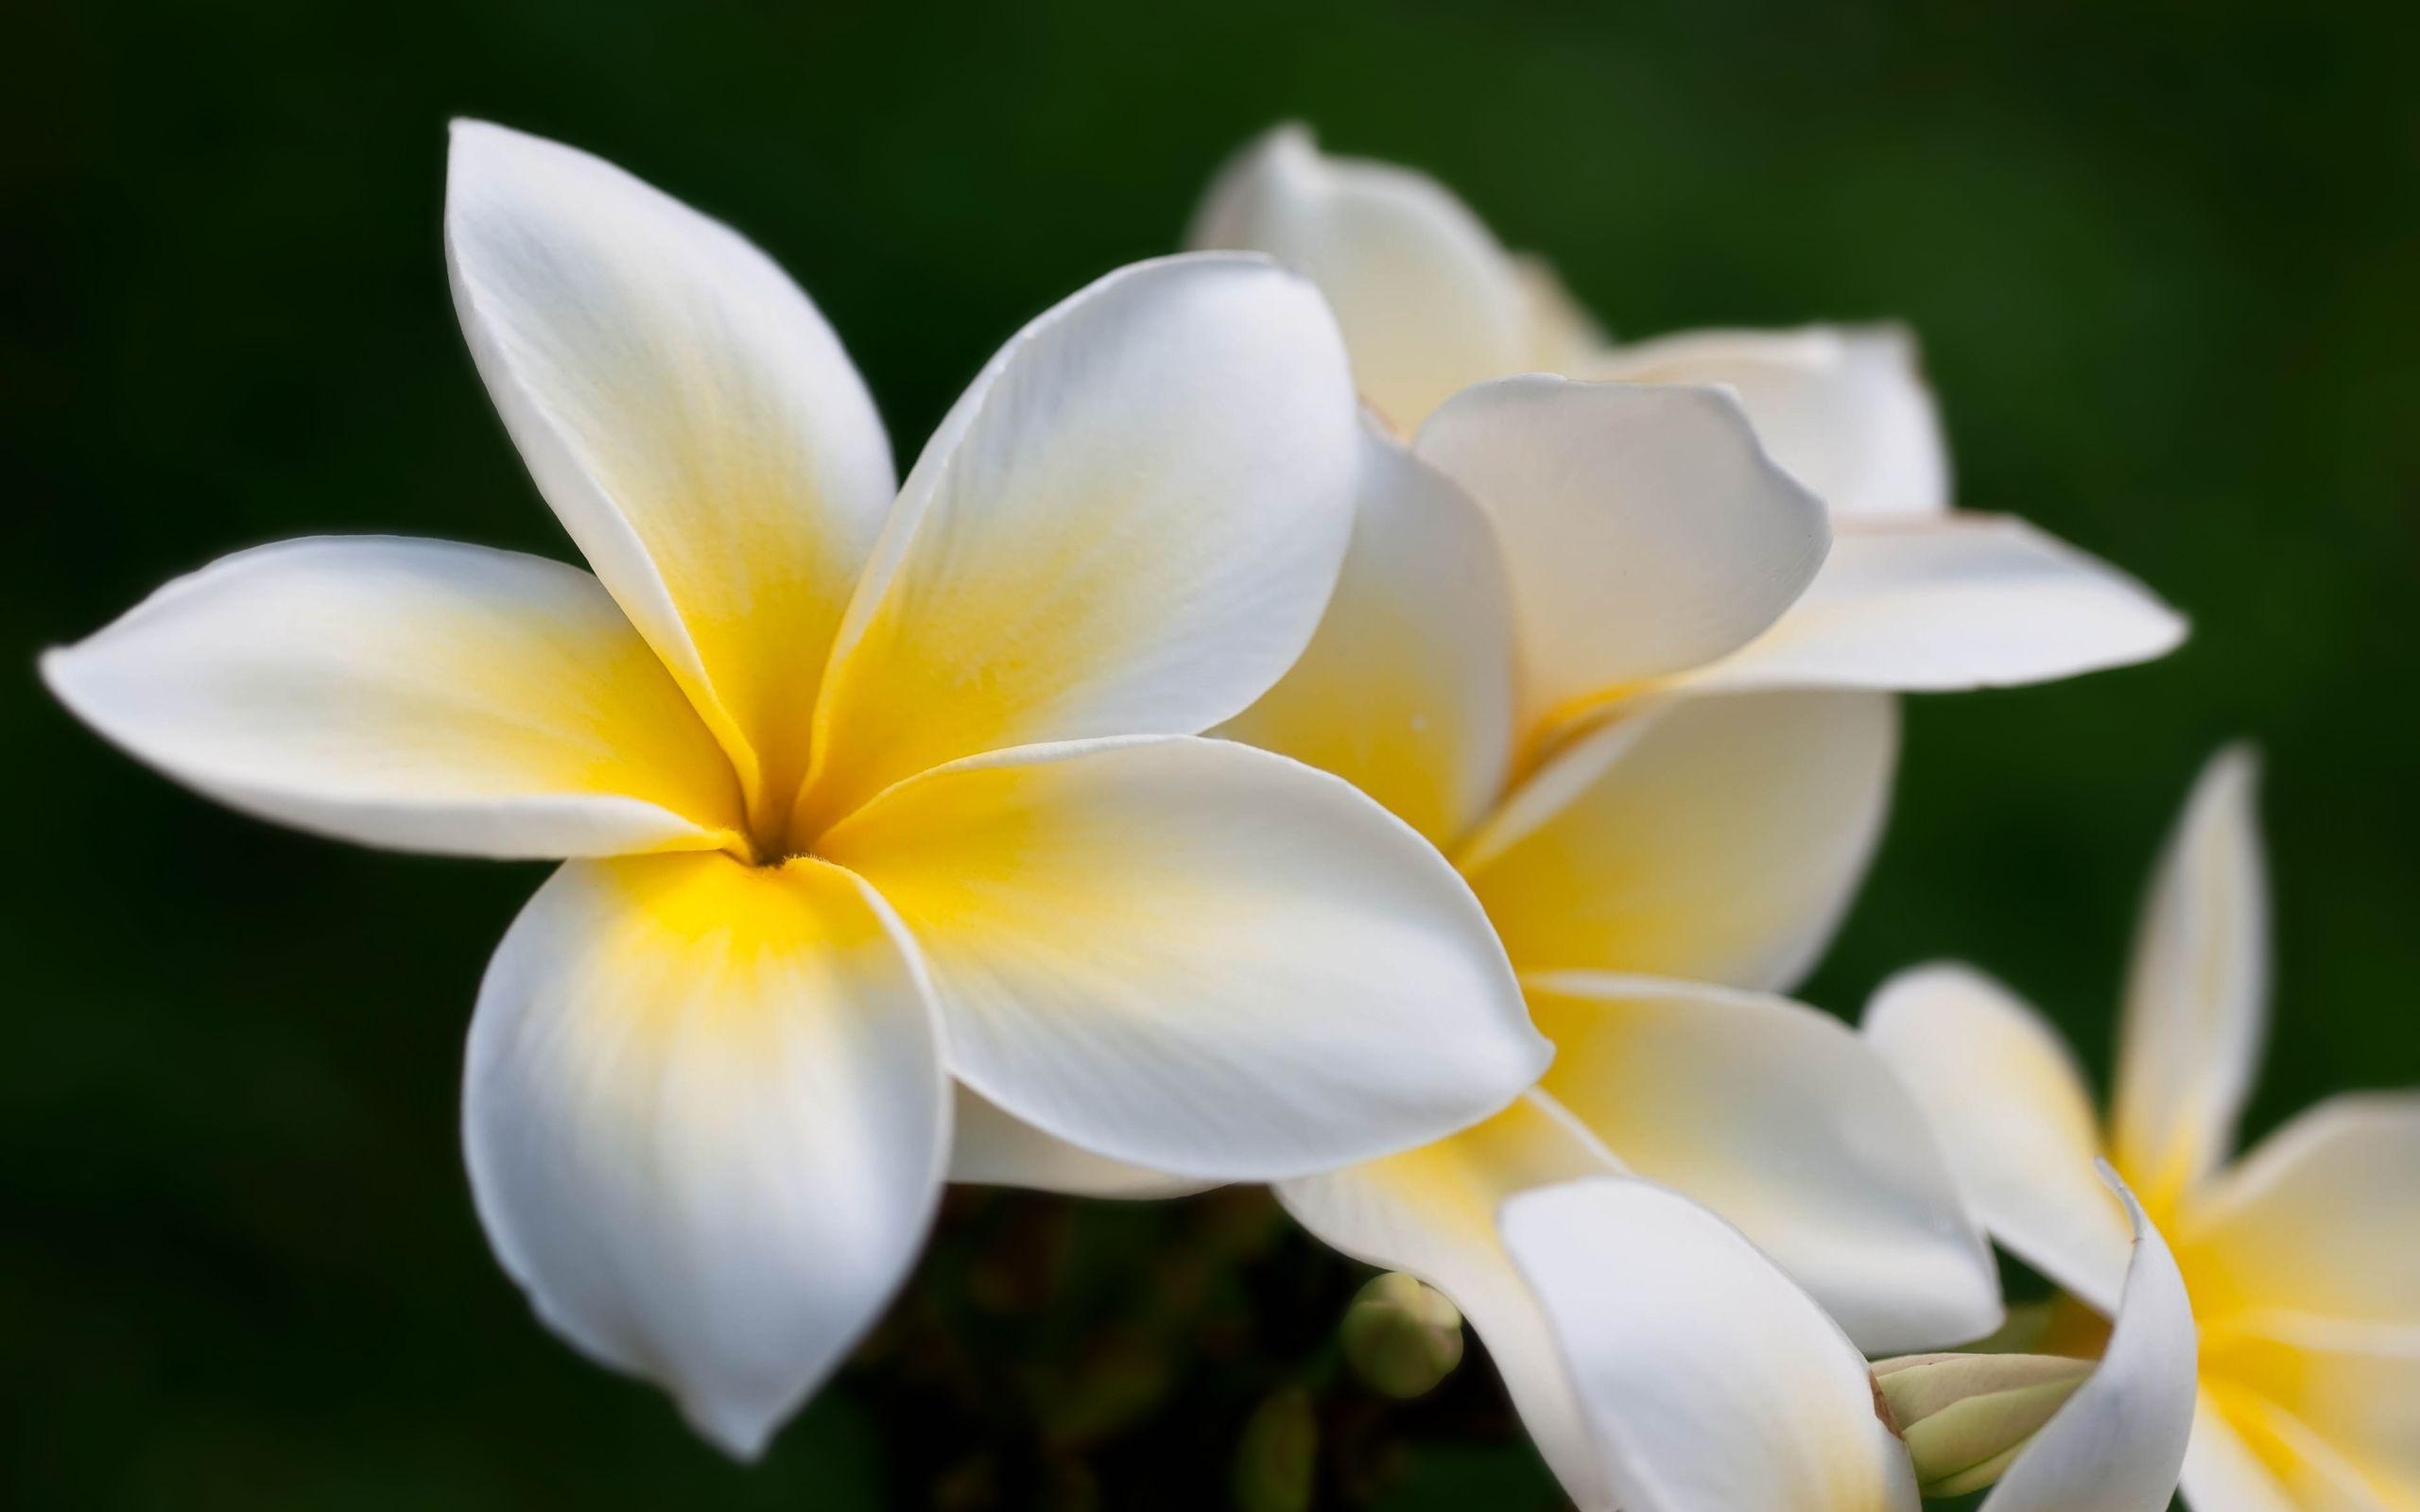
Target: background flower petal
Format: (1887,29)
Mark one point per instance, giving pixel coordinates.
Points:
(1964,601)
(1196,957)
(1779,1119)
(2197,997)
(2013,1114)
(1430,304)
(1711,1384)
(1128,527)
(1406,690)
(705,1117)
(993,1147)
(1645,529)
(414,694)
(1719,839)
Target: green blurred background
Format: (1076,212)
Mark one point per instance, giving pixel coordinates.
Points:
(2165,258)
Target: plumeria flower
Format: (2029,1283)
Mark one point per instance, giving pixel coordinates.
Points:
(2303,1257)
(1913,595)
(1709,1383)
(863,786)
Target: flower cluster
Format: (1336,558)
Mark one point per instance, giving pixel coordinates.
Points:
(1316,712)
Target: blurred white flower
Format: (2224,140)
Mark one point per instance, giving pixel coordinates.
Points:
(2303,1257)
(1706,1382)
(858,791)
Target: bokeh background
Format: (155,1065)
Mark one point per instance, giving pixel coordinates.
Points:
(2166,262)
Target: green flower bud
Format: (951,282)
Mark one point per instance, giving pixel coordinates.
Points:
(1966,1416)
(1277,1459)
(1401,1337)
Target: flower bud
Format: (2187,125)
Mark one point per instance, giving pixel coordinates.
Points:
(1277,1459)
(1400,1336)
(1964,1416)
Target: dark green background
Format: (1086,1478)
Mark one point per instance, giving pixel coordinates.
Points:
(2164,258)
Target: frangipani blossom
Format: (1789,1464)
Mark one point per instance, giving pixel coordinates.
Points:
(2303,1257)
(1912,597)
(1710,1383)
(864,787)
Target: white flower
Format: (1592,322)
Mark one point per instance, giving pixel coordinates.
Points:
(862,793)
(2303,1257)
(1707,1383)
(1913,595)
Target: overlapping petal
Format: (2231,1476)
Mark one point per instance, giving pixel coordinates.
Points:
(705,1116)
(1843,408)
(1432,1211)
(2197,1001)
(688,415)
(1128,527)
(995,1148)
(2118,1443)
(1644,530)
(413,694)
(1718,839)
(2009,1105)
(1964,601)
(1428,301)
(1406,690)
(1782,1120)
(1197,956)
(1709,1383)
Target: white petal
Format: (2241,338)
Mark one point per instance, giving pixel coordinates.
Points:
(687,414)
(2010,1106)
(1406,690)
(1719,839)
(1963,601)
(2197,1001)
(1129,527)
(2334,1406)
(414,694)
(1428,301)
(1431,1211)
(1196,957)
(993,1148)
(2322,1218)
(1644,530)
(705,1117)
(1842,408)
(1712,1384)
(1781,1120)
(2221,1472)
(2118,1443)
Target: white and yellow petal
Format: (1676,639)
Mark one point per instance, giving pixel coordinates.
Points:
(413,694)
(1196,957)
(1644,530)
(1428,301)
(2010,1106)
(688,415)
(1406,690)
(1708,1382)
(1843,408)
(1128,527)
(1779,1119)
(2118,1444)
(2197,999)
(1718,839)
(1962,601)
(2330,1407)
(705,1116)
(1432,1211)
(989,1146)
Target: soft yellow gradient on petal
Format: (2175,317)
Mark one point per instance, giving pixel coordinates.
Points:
(1196,957)
(1715,840)
(705,1117)
(688,415)
(415,694)
(1128,527)
(2355,1389)
(2268,1452)
(1406,690)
